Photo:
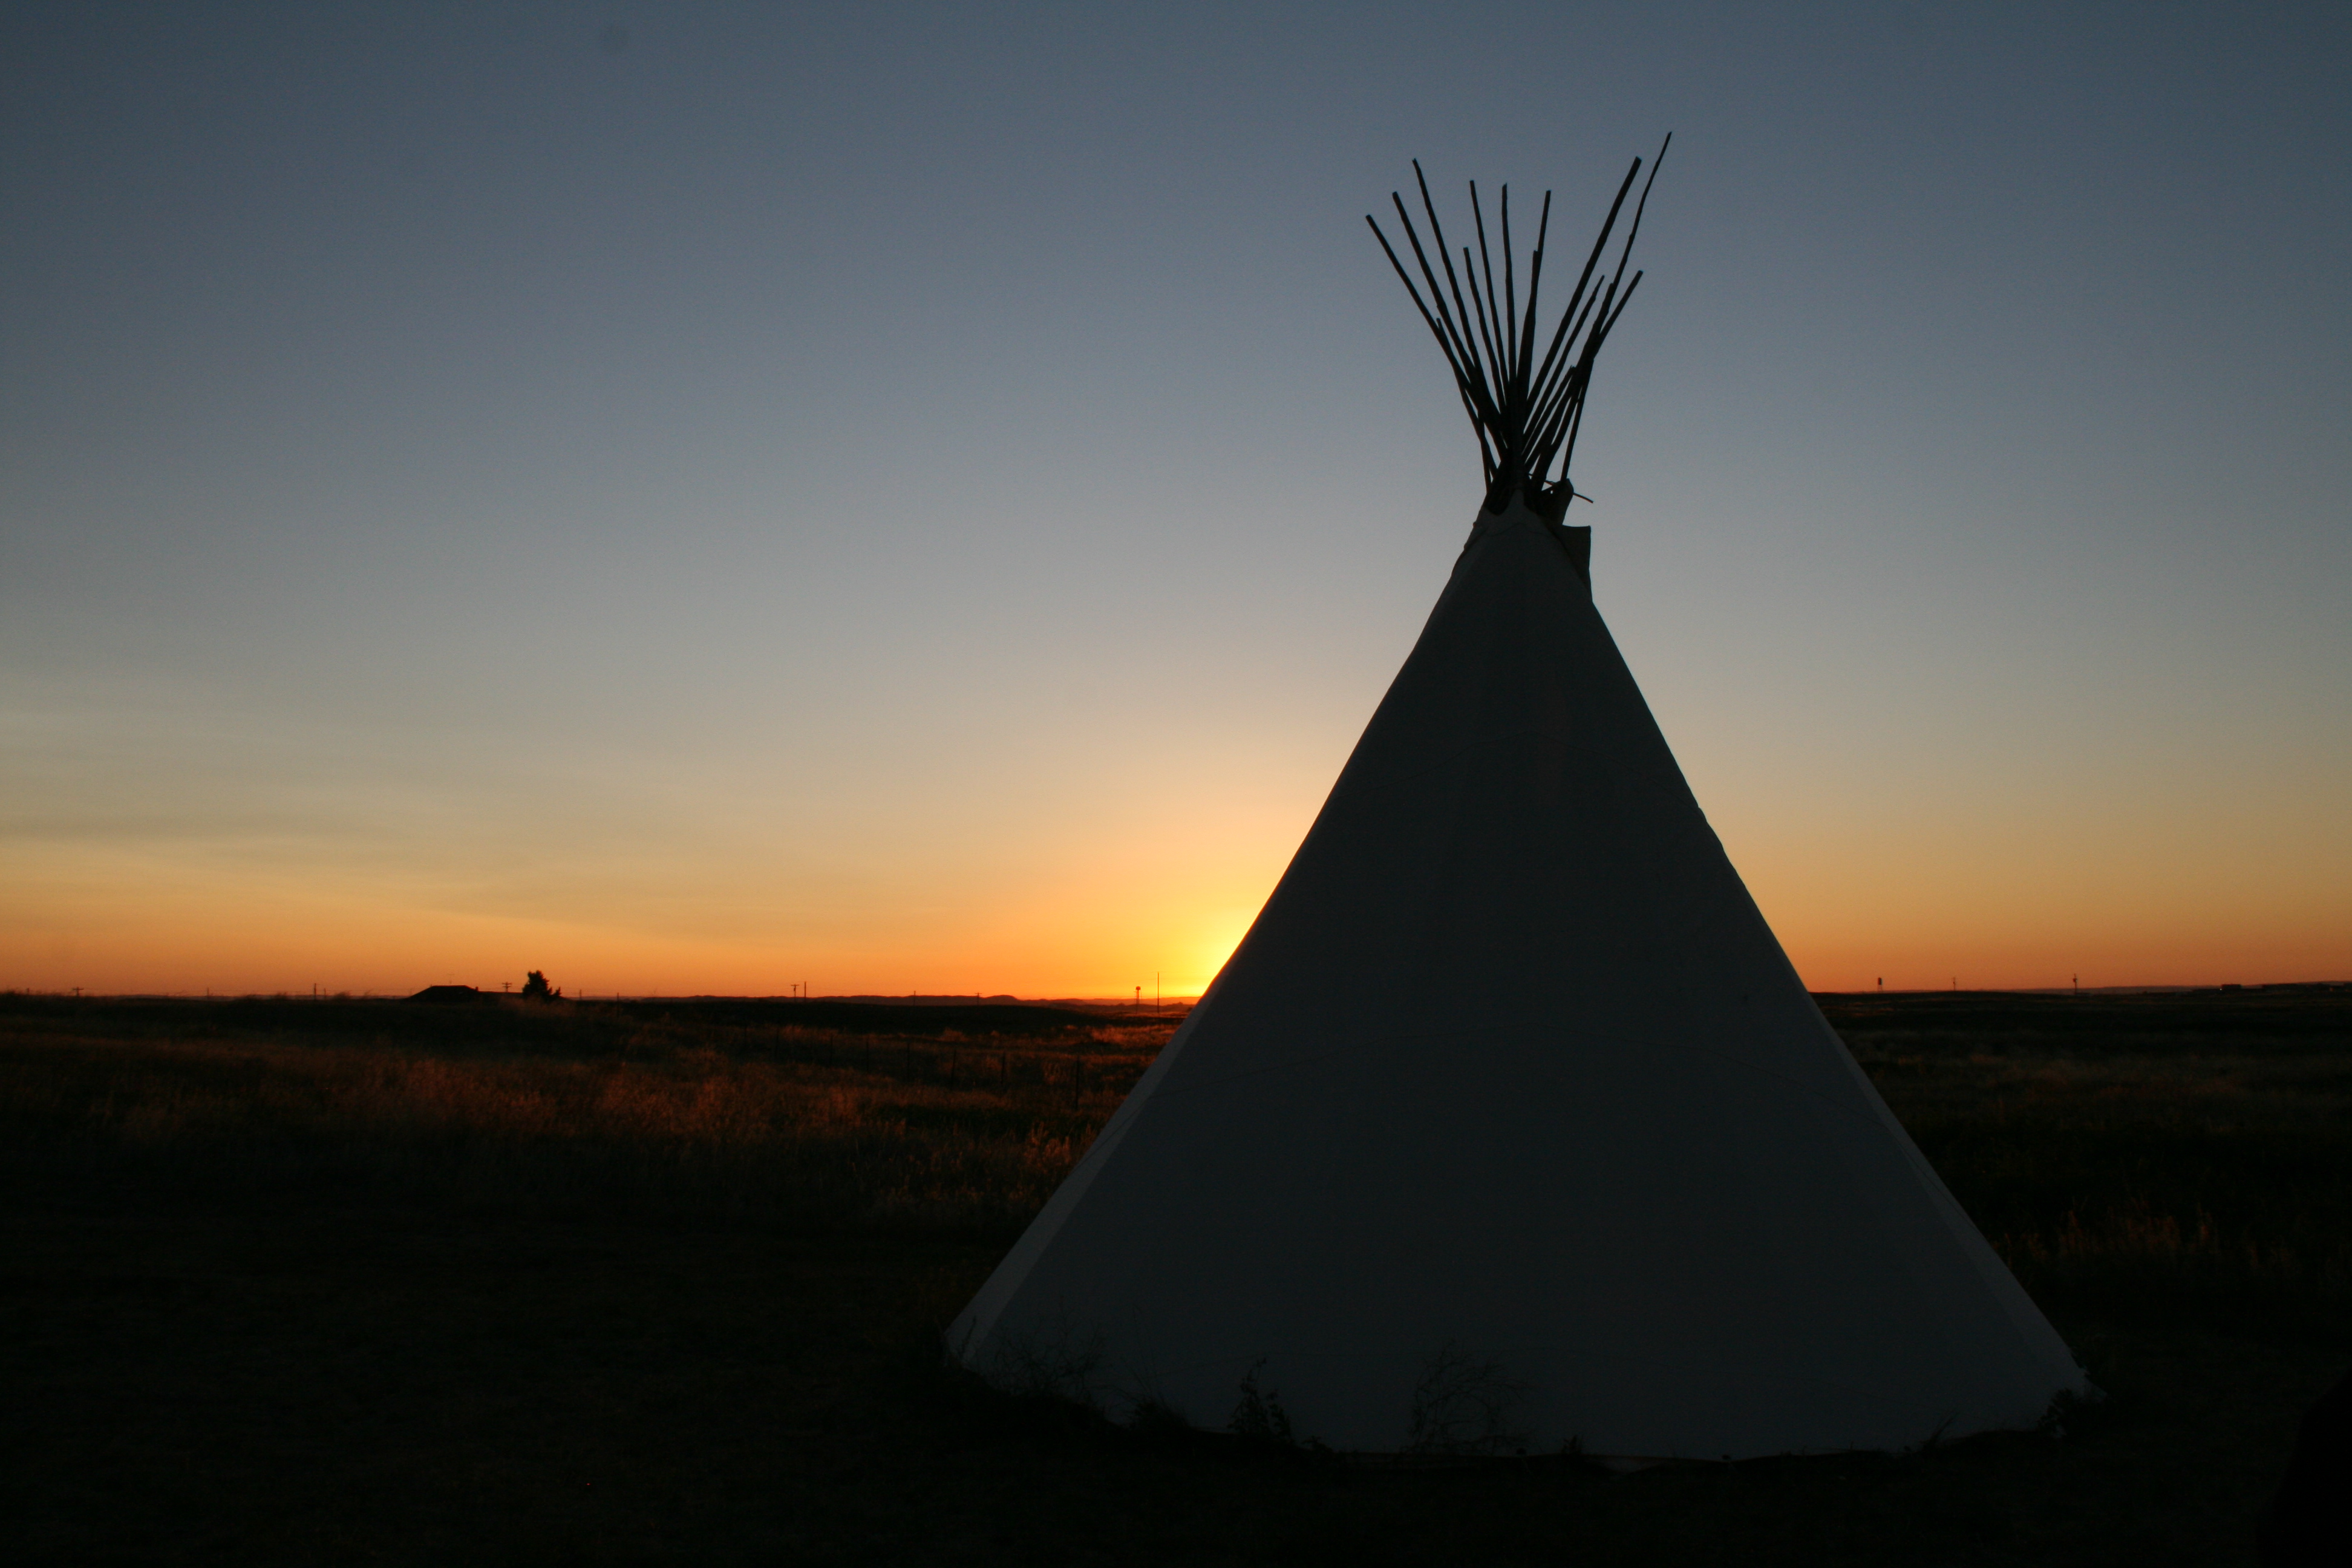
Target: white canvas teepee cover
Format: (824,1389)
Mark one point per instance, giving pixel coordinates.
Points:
(1510,1124)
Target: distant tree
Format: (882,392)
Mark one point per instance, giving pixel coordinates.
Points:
(539,990)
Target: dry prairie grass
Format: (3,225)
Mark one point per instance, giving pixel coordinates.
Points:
(301,1282)
(2152,1158)
(2135,1151)
(577,1116)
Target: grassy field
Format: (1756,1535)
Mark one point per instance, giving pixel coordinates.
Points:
(295,1280)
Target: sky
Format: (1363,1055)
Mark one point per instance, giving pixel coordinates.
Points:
(924,497)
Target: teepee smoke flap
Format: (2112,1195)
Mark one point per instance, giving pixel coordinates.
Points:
(1526,415)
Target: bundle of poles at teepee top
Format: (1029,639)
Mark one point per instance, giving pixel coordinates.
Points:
(1527,413)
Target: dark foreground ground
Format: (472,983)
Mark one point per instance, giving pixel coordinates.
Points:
(289,1281)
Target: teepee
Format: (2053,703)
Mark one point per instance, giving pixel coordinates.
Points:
(1509,1126)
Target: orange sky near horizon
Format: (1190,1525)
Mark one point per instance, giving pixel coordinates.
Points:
(2018,914)
(294,940)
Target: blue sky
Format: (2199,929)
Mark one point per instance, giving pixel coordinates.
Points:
(925,498)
